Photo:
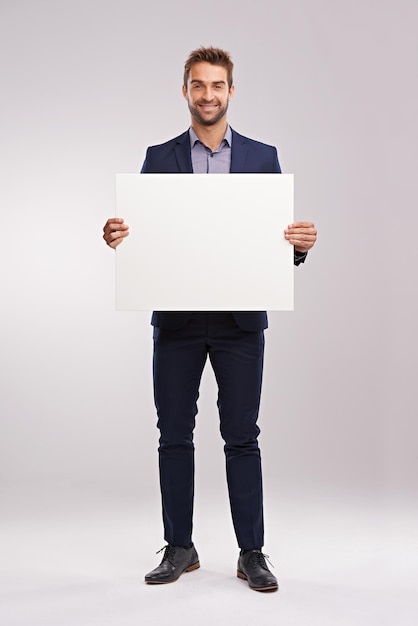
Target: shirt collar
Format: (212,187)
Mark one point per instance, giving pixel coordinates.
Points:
(194,138)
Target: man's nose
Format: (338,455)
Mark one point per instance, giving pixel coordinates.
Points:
(208,94)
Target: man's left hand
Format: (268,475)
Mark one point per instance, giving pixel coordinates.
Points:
(302,235)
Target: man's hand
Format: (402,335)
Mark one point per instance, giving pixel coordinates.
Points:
(302,235)
(114,231)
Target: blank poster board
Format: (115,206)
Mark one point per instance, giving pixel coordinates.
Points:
(205,243)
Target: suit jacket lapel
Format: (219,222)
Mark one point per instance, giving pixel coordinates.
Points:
(238,153)
(183,155)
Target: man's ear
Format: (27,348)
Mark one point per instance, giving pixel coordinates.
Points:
(231,92)
(184,91)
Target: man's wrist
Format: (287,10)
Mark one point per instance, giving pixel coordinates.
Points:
(298,254)
(299,257)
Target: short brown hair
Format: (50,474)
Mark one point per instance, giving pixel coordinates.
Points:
(215,56)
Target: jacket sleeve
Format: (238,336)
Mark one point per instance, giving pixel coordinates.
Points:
(145,166)
(298,257)
(276,165)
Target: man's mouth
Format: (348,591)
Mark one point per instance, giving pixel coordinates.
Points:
(208,107)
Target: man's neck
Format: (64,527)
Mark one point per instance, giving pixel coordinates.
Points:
(211,136)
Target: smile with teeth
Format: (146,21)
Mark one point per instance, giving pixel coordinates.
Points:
(208,107)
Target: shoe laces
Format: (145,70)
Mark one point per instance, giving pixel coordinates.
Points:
(258,558)
(169,553)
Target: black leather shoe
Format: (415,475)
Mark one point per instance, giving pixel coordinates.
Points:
(253,568)
(176,560)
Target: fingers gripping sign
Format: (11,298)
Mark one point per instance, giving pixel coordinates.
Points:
(302,235)
(114,231)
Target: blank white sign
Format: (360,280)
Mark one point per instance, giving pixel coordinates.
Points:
(205,243)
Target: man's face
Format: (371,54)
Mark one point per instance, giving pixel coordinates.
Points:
(207,93)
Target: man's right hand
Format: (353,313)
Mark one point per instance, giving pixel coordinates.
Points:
(114,231)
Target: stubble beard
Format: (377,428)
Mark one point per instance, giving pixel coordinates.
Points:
(205,121)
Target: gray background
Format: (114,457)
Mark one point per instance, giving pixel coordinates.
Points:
(86,87)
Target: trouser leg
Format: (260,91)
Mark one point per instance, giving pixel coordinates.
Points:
(179,358)
(237,360)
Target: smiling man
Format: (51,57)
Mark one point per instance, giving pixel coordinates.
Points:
(233,341)
(208,91)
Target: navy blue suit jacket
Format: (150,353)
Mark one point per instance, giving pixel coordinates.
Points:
(247,157)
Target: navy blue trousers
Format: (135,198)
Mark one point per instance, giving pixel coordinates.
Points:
(237,360)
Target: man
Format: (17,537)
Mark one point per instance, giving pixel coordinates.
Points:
(234,341)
